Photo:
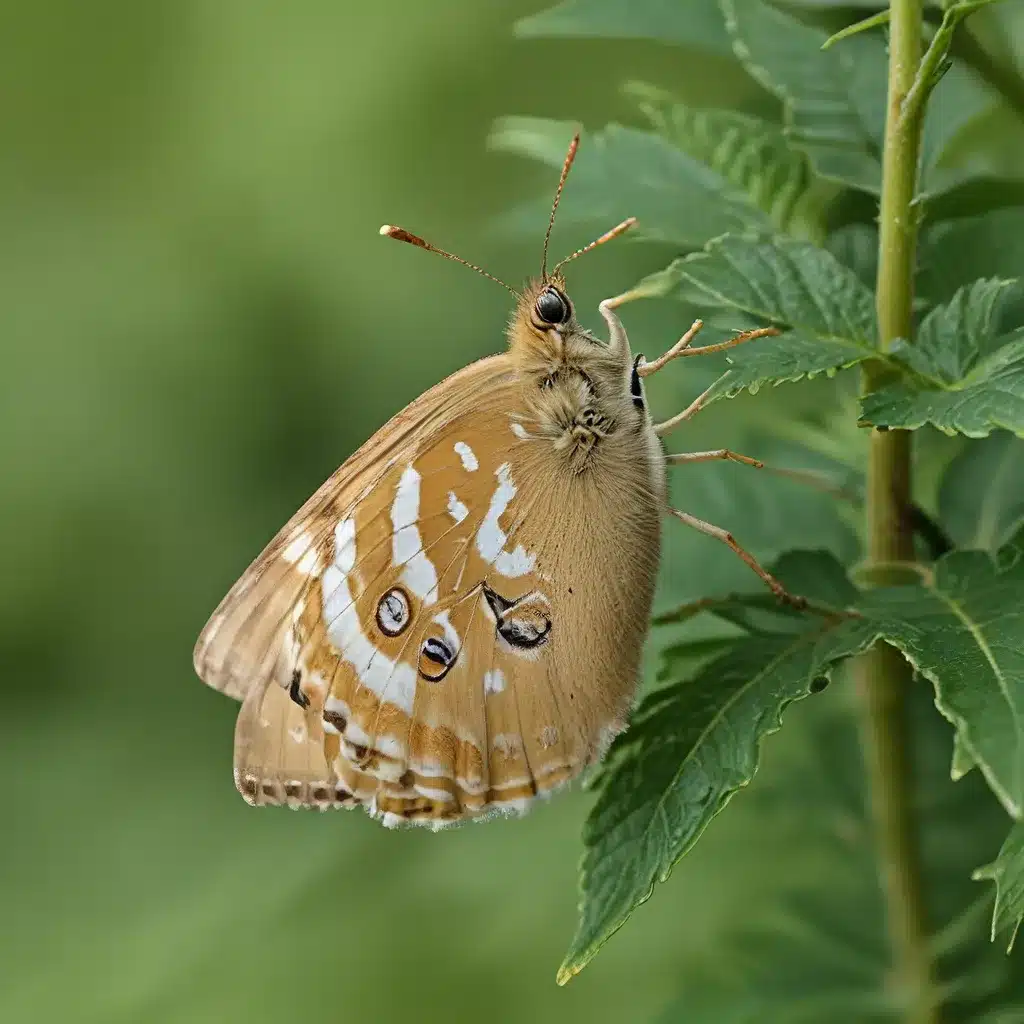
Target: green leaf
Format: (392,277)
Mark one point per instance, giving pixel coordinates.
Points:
(981,498)
(751,154)
(623,172)
(962,627)
(984,192)
(875,20)
(820,950)
(835,100)
(958,383)
(958,252)
(693,23)
(1007,871)
(964,630)
(695,742)
(829,312)
(768,513)
(689,749)
(963,760)
(952,336)
(989,397)
(856,247)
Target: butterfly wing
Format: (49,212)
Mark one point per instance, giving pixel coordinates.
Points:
(452,625)
(239,646)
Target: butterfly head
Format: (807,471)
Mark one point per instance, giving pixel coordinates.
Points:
(544,311)
(576,387)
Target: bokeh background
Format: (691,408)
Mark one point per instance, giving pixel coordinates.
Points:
(199,323)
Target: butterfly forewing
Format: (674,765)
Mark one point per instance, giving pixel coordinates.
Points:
(238,647)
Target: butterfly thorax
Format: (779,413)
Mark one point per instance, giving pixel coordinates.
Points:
(577,391)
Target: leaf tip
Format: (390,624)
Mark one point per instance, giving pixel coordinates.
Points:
(568,971)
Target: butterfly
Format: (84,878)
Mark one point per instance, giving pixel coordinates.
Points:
(452,625)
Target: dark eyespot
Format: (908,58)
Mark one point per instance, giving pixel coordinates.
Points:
(393,612)
(553,307)
(520,623)
(440,656)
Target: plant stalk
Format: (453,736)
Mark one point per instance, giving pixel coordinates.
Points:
(884,677)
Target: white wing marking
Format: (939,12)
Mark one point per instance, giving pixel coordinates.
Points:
(468,456)
(374,669)
(419,574)
(494,681)
(491,538)
(456,509)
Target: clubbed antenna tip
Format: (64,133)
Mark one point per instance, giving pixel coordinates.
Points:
(390,231)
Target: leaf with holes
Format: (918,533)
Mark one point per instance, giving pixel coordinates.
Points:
(827,313)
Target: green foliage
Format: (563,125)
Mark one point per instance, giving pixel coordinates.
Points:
(950,338)
(1007,871)
(193,289)
(963,376)
(955,253)
(981,500)
(829,313)
(748,152)
(695,742)
(677,199)
(822,953)
(690,23)
(798,184)
(963,628)
(692,745)
(989,397)
(835,100)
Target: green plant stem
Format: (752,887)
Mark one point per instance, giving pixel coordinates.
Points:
(884,677)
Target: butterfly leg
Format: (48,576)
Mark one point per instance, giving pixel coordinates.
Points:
(683,348)
(727,538)
(645,369)
(666,426)
(681,458)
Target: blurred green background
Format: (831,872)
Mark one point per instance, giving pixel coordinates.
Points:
(199,323)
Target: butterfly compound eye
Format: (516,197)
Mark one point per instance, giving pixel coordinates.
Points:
(553,307)
(393,612)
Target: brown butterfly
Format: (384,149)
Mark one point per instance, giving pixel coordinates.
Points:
(452,624)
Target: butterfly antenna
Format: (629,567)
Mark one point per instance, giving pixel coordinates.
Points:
(402,235)
(619,229)
(569,157)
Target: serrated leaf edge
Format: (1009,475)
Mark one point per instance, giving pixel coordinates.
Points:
(573,964)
